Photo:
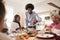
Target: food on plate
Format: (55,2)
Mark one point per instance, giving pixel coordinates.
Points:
(24,36)
(32,33)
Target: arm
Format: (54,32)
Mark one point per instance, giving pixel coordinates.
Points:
(14,26)
(26,20)
(37,19)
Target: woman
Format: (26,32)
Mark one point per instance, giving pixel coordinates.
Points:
(2,15)
(15,24)
(5,28)
(55,26)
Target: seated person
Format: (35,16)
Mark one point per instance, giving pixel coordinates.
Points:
(2,15)
(55,26)
(15,24)
(5,28)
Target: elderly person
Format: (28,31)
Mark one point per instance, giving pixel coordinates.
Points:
(55,26)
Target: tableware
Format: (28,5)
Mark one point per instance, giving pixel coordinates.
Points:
(45,35)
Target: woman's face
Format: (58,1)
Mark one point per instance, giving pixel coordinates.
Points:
(18,19)
(55,19)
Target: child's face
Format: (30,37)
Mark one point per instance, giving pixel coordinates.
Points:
(18,19)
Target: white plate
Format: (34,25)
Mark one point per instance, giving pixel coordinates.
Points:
(45,35)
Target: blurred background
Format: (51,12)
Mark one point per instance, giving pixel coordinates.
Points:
(42,7)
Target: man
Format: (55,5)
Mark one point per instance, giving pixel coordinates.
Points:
(31,17)
(2,15)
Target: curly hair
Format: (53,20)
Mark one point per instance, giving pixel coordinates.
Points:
(29,6)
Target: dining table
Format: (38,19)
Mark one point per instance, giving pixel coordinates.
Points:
(37,38)
(16,36)
(34,38)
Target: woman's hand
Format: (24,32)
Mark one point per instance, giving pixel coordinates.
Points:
(47,29)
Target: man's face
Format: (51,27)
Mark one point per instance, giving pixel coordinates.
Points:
(29,10)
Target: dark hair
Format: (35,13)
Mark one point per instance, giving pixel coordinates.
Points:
(2,10)
(1,0)
(16,17)
(16,20)
(29,6)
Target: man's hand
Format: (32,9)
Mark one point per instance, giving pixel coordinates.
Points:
(35,21)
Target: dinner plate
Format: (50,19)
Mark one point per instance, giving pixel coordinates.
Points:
(45,35)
